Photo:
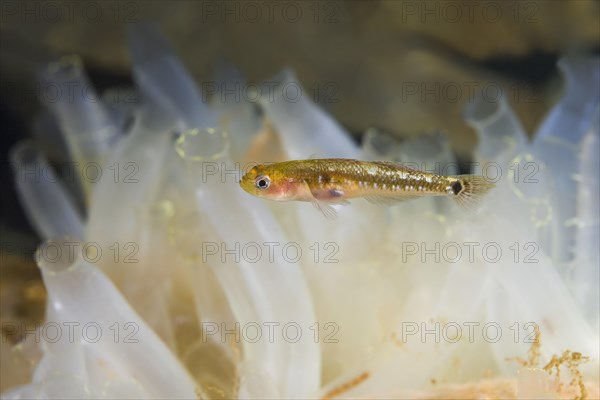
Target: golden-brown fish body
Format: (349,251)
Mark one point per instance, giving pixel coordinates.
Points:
(335,181)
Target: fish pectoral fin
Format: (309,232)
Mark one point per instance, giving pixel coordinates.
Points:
(331,196)
(323,198)
(389,200)
(325,209)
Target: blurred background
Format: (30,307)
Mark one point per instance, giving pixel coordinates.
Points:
(404,67)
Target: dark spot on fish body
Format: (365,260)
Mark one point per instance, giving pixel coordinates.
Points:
(456,187)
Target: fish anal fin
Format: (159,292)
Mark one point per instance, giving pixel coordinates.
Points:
(387,200)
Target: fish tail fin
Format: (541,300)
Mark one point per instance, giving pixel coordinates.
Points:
(468,190)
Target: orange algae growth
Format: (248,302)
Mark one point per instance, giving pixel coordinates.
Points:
(533,354)
(571,359)
(346,386)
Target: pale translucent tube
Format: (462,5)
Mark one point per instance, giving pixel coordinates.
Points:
(498,129)
(454,294)
(163,80)
(429,152)
(130,177)
(586,273)
(45,199)
(503,152)
(512,294)
(270,290)
(239,116)
(138,365)
(527,290)
(140,169)
(305,129)
(138,159)
(538,295)
(243,123)
(86,124)
(558,168)
(377,145)
(570,119)
(119,218)
(169,232)
(89,128)
(557,143)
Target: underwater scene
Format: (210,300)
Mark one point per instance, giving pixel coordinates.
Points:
(381,214)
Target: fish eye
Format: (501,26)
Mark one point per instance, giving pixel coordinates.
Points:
(262,182)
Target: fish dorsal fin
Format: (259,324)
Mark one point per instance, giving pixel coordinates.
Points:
(386,162)
(388,200)
(325,209)
(395,164)
(315,156)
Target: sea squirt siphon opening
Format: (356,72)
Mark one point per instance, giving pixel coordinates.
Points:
(206,144)
(484,110)
(61,254)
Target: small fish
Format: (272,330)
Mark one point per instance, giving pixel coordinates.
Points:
(334,181)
